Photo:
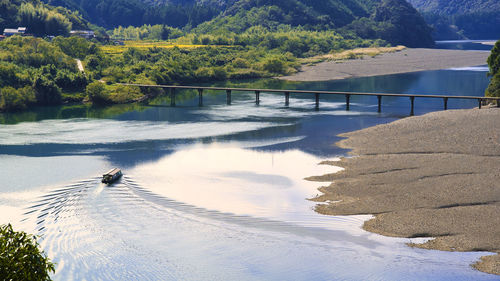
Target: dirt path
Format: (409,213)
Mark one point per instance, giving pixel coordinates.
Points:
(80,65)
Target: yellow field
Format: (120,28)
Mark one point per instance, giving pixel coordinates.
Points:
(118,49)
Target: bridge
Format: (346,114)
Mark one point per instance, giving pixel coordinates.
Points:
(316,95)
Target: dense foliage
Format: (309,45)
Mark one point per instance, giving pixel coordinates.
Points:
(34,71)
(493,89)
(392,20)
(459,19)
(20,257)
(39,18)
(146,32)
(113,13)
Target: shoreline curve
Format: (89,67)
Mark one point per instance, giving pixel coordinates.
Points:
(435,175)
(404,61)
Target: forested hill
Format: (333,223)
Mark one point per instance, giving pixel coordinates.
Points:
(39,18)
(114,13)
(461,19)
(395,21)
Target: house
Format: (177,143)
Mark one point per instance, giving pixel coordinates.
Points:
(87,34)
(2,37)
(13,31)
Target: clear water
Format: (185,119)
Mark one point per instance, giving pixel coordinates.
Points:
(485,45)
(212,193)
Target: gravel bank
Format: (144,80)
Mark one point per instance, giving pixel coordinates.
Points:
(408,60)
(436,175)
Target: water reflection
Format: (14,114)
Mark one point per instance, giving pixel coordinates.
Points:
(239,181)
(216,192)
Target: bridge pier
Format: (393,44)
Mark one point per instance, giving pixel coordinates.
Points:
(347,95)
(200,97)
(412,100)
(172,96)
(228,97)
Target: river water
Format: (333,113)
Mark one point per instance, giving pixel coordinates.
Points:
(213,193)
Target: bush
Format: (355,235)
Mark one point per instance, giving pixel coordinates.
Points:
(47,92)
(20,258)
(274,65)
(12,99)
(241,63)
(493,89)
(125,94)
(96,92)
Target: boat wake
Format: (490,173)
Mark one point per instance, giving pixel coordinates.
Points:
(124,231)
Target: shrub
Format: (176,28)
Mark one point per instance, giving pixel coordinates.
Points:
(96,92)
(20,258)
(47,92)
(274,65)
(493,89)
(16,99)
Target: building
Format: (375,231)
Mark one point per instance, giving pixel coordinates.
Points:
(87,34)
(13,31)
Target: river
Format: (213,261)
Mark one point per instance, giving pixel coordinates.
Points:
(213,193)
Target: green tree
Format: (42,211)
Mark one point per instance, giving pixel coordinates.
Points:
(76,47)
(96,92)
(16,99)
(42,21)
(275,65)
(494,59)
(47,92)
(20,257)
(493,89)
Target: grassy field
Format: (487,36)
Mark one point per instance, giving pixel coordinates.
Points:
(118,49)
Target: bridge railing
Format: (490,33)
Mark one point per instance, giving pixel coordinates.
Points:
(316,94)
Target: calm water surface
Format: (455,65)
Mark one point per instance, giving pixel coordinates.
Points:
(213,193)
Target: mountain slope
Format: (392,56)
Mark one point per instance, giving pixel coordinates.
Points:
(395,21)
(461,19)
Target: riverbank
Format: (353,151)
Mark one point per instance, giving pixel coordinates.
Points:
(434,175)
(407,60)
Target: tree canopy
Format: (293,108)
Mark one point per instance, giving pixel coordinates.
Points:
(459,19)
(21,258)
(493,89)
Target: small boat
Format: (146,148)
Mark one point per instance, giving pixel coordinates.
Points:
(111,176)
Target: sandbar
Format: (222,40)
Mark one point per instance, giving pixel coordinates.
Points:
(435,175)
(407,60)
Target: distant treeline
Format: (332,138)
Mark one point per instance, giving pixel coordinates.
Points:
(39,18)
(461,19)
(395,21)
